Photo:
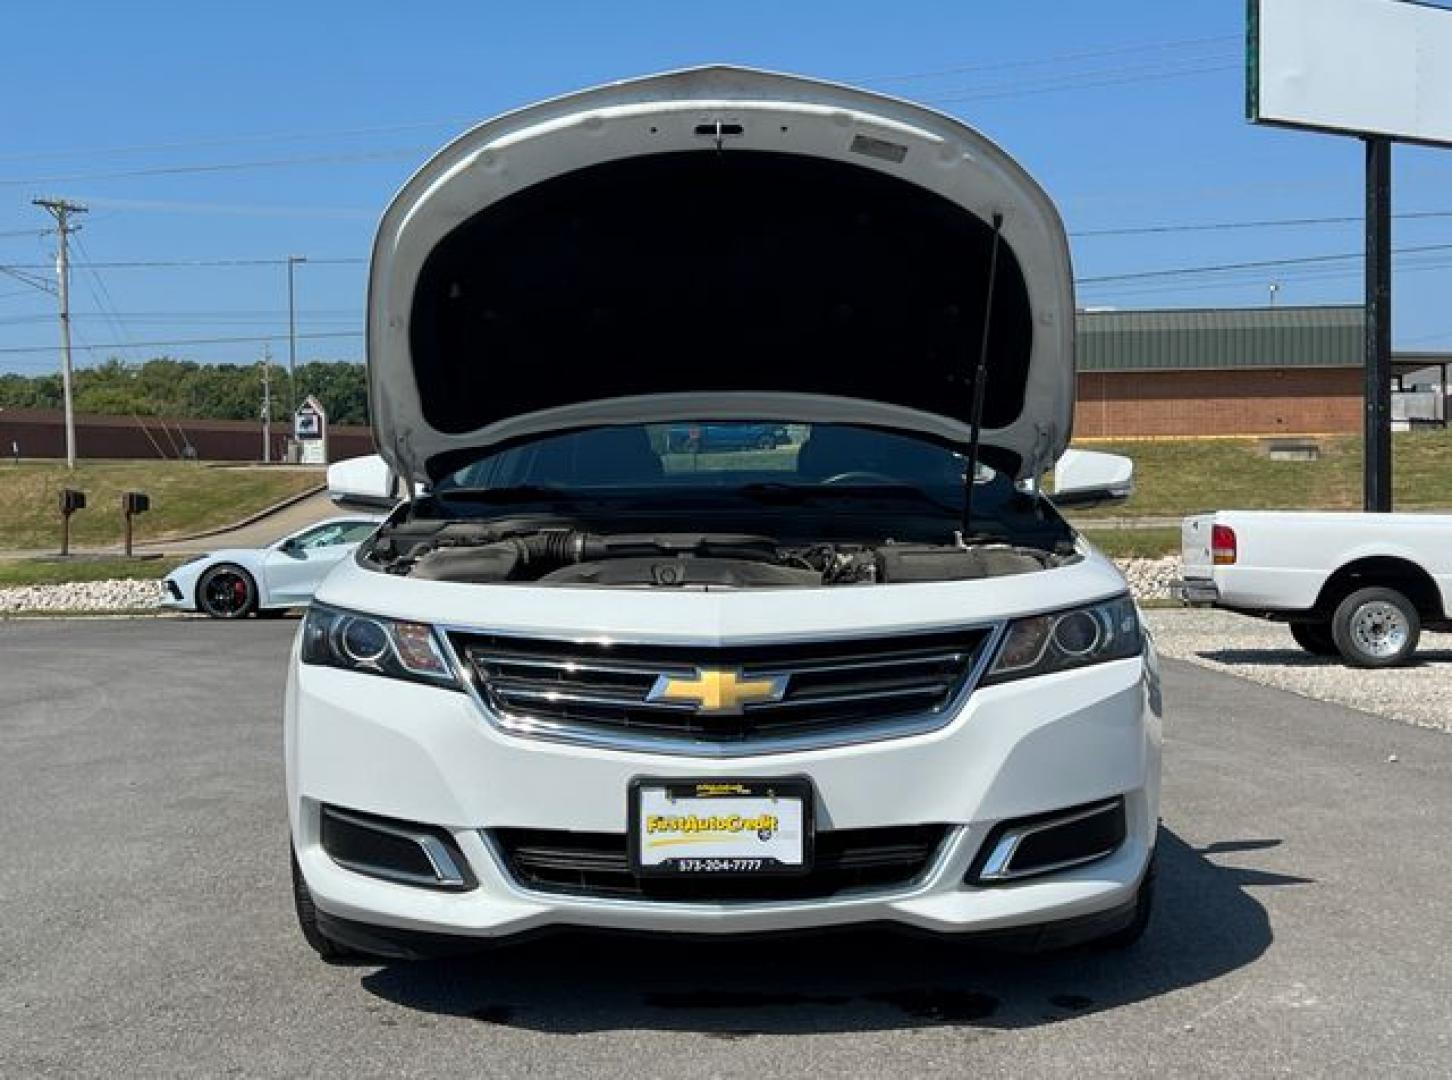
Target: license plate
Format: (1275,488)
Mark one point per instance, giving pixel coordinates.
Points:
(726,828)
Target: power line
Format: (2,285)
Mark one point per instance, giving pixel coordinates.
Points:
(1084,81)
(250,339)
(1088,54)
(1254,265)
(232,140)
(150,264)
(1271,223)
(226,166)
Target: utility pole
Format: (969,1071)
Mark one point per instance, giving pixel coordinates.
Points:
(61,210)
(1275,287)
(292,261)
(1377,458)
(266,404)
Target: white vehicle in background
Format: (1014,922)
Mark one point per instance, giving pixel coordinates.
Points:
(235,582)
(595,678)
(1359,585)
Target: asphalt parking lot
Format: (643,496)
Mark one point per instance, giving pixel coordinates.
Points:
(1303,926)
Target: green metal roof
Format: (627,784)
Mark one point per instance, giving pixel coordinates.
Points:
(1197,339)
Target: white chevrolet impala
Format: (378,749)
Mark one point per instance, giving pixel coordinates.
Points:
(592,677)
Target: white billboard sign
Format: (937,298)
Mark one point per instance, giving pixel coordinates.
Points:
(1365,67)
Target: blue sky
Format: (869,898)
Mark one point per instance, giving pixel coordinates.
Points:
(254,131)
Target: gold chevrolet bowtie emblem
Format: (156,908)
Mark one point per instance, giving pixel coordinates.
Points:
(721,691)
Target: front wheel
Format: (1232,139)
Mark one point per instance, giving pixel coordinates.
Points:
(1376,628)
(1315,638)
(307,920)
(1144,900)
(227,592)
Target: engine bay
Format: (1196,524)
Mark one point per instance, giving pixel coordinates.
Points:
(471,551)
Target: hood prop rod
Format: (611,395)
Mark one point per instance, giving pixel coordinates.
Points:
(980,378)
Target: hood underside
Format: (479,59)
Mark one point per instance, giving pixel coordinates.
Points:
(718,244)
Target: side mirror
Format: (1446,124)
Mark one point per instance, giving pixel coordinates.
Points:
(290,546)
(363,482)
(1088,478)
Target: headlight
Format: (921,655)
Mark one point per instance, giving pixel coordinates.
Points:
(1041,644)
(374,645)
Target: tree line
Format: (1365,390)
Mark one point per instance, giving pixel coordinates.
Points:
(184,388)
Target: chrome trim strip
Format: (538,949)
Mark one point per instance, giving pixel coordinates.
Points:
(446,871)
(577,697)
(996,866)
(850,695)
(811,667)
(511,724)
(514,660)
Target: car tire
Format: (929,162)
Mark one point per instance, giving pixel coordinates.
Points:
(226,591)
(1144,902)
(1315,638)
(307,920)
(1376,628)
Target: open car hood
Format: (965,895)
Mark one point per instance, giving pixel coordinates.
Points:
(718,244)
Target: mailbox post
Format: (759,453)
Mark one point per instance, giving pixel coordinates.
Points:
(133,503)
(71,500)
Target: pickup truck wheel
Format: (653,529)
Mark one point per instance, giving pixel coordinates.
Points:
(1315,638)
(1376,628)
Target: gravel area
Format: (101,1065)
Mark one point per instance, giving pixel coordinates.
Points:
(82,596)
(1149,579)
(1263,652)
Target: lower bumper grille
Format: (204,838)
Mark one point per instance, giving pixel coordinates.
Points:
(596,865)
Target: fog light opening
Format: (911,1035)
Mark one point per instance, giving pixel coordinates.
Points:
(1047,843)
(396,851)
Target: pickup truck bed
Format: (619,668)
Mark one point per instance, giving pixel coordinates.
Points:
(1361,585)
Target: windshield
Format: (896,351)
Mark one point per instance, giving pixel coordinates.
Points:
(710,454)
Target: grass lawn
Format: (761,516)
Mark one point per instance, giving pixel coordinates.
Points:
(1186,476)
(15,572)
(1135,543)
(186,496)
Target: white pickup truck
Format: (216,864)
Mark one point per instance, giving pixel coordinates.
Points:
(1361,585)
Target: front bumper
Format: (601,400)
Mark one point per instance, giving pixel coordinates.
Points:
(1195,590)
(422,754)
(176,596)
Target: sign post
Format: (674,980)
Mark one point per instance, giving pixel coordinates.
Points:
(310,429)
(1380,70)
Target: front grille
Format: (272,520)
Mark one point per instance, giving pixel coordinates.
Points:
(602,691)
(596,864)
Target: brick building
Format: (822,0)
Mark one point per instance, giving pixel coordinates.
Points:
(1220,371)
(41,433)
(1177,372)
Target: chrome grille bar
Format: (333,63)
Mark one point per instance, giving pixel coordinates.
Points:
(600,693)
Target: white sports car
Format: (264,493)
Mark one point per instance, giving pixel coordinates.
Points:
(233,583)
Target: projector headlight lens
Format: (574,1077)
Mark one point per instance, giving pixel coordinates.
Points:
(375,645)
(1042,644)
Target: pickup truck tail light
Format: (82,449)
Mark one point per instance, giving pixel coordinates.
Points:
(1222,545)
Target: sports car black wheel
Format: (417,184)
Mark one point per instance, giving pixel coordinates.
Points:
(227,592)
